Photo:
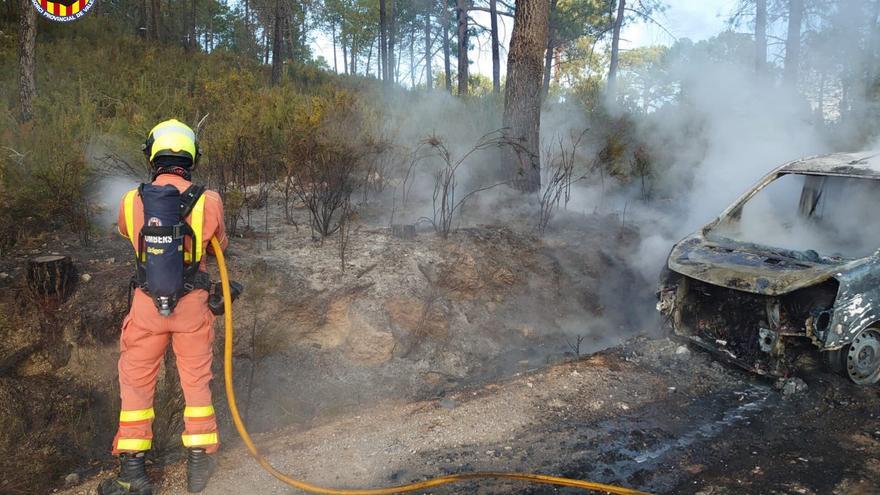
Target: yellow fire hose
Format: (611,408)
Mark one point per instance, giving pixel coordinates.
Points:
(421,485)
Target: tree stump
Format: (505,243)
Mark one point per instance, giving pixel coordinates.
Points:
(51,278)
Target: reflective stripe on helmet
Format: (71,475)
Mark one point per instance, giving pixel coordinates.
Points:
(172,135)
(136,415)
(200,440)
(134,444)
(198,411)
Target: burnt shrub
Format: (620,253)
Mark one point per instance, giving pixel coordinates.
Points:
(326,152)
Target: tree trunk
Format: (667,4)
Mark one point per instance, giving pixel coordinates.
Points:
(344,57)
(522,94)
(615,51)
(793,42)
(303,35)
(266,48)
(557,64)
(398,61)
(551,49)
(379,67)
(383,40)
(142,16)
(155,16)
(10,10)
(429,77)
(335,63)
(192,26)
(548,68)
(447,63)
(277,44)
(496,57)
(247,18)
(463,65)
(27,60)
(760,36)
(369,60)
(354,65)
(392,39)
(287,36)
(412,58)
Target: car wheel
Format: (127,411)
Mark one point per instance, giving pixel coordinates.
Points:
(863,357)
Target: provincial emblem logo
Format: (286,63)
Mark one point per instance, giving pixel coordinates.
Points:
(63,10)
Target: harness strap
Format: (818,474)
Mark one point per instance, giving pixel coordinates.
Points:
(128,207)
(188,199)
(198,280)
(176,231)
(197,222)
(192,201)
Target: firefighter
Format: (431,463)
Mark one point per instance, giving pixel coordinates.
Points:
(170,223)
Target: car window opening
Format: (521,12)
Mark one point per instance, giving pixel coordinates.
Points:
(805,215)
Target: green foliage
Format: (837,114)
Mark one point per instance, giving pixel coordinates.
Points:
(645,83)
(574,19)
(103,90)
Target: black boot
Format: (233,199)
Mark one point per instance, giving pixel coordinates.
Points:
(132,479)
(199,468)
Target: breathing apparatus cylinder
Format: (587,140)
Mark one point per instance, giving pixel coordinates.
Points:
(163,246)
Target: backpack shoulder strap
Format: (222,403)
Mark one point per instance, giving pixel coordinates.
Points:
(128,210)
(188,199)
(192,200)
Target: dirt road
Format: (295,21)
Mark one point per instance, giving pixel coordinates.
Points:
(649,415)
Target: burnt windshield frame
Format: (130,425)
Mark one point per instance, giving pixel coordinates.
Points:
(733,213)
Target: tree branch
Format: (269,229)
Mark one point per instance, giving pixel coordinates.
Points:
(644,15)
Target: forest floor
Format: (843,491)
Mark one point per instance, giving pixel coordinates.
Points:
(649,414)
(492,349)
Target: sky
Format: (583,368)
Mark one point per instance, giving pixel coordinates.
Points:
(694,19)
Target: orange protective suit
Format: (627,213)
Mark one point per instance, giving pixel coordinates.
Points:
(145,337)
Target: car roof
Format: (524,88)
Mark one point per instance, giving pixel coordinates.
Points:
(864,164)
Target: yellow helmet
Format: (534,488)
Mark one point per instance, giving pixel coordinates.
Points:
(171,138)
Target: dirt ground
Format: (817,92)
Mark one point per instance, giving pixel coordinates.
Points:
(406,320)
(495,349)
(649,414)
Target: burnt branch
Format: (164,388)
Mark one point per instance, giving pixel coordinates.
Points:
(445,203)
(558,178)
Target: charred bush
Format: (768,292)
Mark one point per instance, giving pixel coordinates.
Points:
(445,202)
(558,178)
(324,183)
(328,160)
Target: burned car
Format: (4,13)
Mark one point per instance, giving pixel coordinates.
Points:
(792,264)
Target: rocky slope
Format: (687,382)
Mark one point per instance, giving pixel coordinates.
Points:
(406,319)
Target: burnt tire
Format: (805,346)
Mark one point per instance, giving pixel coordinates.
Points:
(861,357)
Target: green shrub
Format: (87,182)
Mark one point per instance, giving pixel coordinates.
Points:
(99,85)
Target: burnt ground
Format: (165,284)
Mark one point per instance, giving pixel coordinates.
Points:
(646,415)
(428,356)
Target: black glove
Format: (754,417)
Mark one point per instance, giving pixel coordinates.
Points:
(215,300)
